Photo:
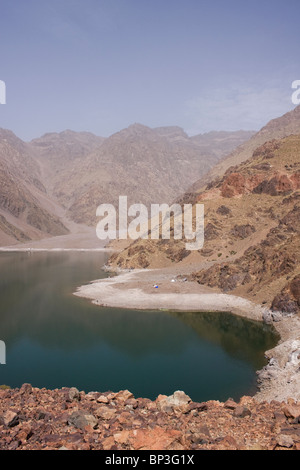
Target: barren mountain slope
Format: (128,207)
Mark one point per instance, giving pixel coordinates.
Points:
(23,208)
(64,176)
(147,165)
(251,245)
(278,128)
(56,152)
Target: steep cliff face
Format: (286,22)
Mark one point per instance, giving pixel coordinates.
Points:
(252,216)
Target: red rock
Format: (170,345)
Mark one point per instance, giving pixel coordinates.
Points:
(44,424)
(198,406)
(84,446)
(230,404)
(108,443)
(55,440)
(156,439)
(292,411)
(122,437)
(124,417)
(10,419)
(104,412)
(80,419)
(160,397)
(26,388)
(285,441)
(229,442)
(25,433)
(233,185)
(241,412)
(123,395)
(14,445)
(295,178)
(279,417)
(73,438)
(92,396)
(178,400)
(132,403)
(102,399)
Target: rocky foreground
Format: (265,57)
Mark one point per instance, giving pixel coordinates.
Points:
(66,419)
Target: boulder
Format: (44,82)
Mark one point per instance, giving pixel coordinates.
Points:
(81,419)
(178,400)
(9,419)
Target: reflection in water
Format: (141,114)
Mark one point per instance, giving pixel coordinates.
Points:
(55,339)
(241,338)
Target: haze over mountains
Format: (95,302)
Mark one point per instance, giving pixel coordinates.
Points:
(25,209)
(61,178)
(53,185)
(252,233)
(277,128)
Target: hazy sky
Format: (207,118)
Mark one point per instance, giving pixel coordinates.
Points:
(101,65)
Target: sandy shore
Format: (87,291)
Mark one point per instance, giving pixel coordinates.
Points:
(279,380)
(16,249)
(136,290)
(82,238)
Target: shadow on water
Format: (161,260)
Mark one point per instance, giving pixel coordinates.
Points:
(56,339)
(239,337)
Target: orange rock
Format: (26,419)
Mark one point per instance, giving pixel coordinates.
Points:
(156,439)
(108,443)
(123,395)
(292,411)
(122,437)
(233,185)
(230,404)
(229,442)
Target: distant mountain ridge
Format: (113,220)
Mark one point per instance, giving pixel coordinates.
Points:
(24,209)
(124,164)
(277,128)
(62,177)
(252,232)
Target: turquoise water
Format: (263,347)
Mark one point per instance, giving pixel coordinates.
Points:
(55,339)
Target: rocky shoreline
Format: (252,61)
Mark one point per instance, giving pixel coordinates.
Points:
(67,419)
(280,378)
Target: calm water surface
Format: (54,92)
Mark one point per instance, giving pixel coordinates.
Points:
(55,339)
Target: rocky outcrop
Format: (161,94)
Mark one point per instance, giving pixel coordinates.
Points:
(288,301)
(66,419)
(274,260)
(242,231)
(279,184)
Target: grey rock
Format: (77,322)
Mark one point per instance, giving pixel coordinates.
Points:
(285,441)
(178,399)
(26,389)
(79,420)
(9,419)
(241,412)
(74,394)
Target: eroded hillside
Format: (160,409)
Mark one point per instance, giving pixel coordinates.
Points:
(24,208)
(251,245)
